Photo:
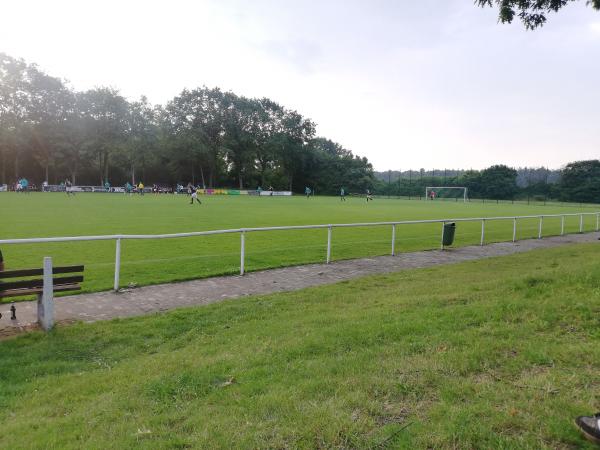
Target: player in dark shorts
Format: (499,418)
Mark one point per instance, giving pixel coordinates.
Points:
(342,195)
(194,196)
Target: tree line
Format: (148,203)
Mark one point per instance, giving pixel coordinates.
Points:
(51,132)
(579,181)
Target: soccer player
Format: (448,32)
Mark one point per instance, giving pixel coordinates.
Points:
(369,196)
(141,188)
(195,197)
(342,195)
(69,187)
(307,191)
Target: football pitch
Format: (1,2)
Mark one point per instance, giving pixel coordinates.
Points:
(155,261)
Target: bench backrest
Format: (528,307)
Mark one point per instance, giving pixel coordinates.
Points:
(12,284)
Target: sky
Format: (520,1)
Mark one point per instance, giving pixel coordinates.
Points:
(408,84)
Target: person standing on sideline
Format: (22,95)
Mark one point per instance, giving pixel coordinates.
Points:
(369,196)
(195,197)
(141,188)
(342,195)
(307,191)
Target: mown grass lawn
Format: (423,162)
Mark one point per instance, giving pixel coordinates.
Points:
(150,262)
(498,353)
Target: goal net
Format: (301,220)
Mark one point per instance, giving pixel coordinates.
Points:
(457,193)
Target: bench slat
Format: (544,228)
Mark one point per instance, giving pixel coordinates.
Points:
(38,283)
(22,292)
(33,272)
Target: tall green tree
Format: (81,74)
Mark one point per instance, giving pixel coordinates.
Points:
(499,182)
(106,115)
(580,182)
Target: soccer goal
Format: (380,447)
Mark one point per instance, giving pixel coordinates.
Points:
(446,192)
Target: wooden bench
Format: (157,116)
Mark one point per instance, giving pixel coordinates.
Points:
(18,283)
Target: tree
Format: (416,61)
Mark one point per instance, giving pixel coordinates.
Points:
(142,136)
(106,119)
(580,182)
(197,118)
(531,12)
(241,142)
(499,182)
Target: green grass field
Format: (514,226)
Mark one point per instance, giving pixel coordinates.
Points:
(497,353)
(151,262)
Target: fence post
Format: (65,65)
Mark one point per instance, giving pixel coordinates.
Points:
(540,227)
(394,240)
(482,231)
(442,242)
(581,223)
(242,251)
(45,300)
(562,225)
(597,221)
(117,264)
(328,244)
(514,229)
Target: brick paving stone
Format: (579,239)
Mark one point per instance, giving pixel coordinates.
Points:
(164,297)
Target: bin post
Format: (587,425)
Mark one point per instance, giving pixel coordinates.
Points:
(581,223)
(442,243)
(562,225)
(540,227)
(394,240)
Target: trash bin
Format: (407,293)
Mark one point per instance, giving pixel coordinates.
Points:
(448,236)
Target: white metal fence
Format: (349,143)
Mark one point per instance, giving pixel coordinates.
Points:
(242,232)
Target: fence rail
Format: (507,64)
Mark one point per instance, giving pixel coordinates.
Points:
(242,232)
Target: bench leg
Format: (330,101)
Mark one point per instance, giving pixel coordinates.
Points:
(45,301)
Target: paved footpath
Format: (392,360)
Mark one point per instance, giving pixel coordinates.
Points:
(152,299)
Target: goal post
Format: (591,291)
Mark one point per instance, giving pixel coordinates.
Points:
(433,192)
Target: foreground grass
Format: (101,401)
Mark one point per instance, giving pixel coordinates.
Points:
(498,353)
(147,262)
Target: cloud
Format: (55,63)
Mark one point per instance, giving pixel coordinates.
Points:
(595,27)
(301,54)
